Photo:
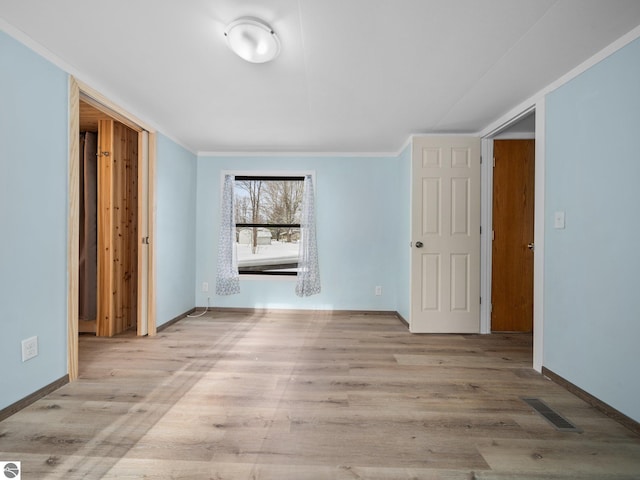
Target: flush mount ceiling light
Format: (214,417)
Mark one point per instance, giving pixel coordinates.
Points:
(253,40)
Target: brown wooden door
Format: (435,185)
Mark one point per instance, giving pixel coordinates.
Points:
(513,214)
(117,228)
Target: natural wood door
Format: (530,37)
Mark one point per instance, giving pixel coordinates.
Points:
(513,215)
(104,317)
(445,228)
(117,228)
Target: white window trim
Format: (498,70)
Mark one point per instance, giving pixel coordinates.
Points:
(268,173)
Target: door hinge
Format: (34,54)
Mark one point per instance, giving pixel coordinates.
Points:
(494,162)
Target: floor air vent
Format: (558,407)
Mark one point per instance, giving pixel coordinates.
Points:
(554,418)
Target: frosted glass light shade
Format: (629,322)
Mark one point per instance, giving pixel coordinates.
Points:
(253,40)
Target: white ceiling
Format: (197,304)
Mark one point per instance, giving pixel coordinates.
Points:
(352,76)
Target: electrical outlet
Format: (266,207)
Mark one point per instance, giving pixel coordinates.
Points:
(205,286)
(378,290)
(29,348)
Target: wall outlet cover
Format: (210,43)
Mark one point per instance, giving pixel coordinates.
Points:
(29,348)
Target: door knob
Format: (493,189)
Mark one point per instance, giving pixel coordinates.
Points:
(531,246)
(419,244)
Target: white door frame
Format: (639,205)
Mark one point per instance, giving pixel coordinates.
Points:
(486,218)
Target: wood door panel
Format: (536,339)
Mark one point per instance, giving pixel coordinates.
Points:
(430,295)
(513,216)
(117,227)
(125,237)
(431,206)
(460,207)
(104,320)
(460,282)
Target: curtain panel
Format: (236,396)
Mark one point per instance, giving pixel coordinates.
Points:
(308,281)
(227,277)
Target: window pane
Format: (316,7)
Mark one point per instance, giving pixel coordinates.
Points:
(260,200)
(267,250)
(268,201)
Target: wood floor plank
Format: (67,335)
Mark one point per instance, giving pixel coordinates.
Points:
(580,456)
(311,396)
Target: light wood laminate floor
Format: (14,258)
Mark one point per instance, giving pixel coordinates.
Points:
(309,397)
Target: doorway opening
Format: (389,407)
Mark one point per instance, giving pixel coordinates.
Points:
(111,221)
(509,126)
(510,214)
(108,230)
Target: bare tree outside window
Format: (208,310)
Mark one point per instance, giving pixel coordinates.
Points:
(253,188)
(268,211)
(283,203)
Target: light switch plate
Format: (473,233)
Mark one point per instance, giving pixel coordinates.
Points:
(558,220)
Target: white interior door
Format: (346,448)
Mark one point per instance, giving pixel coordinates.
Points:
(445,234)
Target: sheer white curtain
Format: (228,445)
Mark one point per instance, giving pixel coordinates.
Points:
(308,272)
(227,278)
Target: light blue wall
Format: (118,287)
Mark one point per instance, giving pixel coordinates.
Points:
(359,231)
(33,219)
(175,230)
(591,311)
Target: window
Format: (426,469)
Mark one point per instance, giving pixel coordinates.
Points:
(268,210)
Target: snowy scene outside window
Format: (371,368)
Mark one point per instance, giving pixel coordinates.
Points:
(267,216)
